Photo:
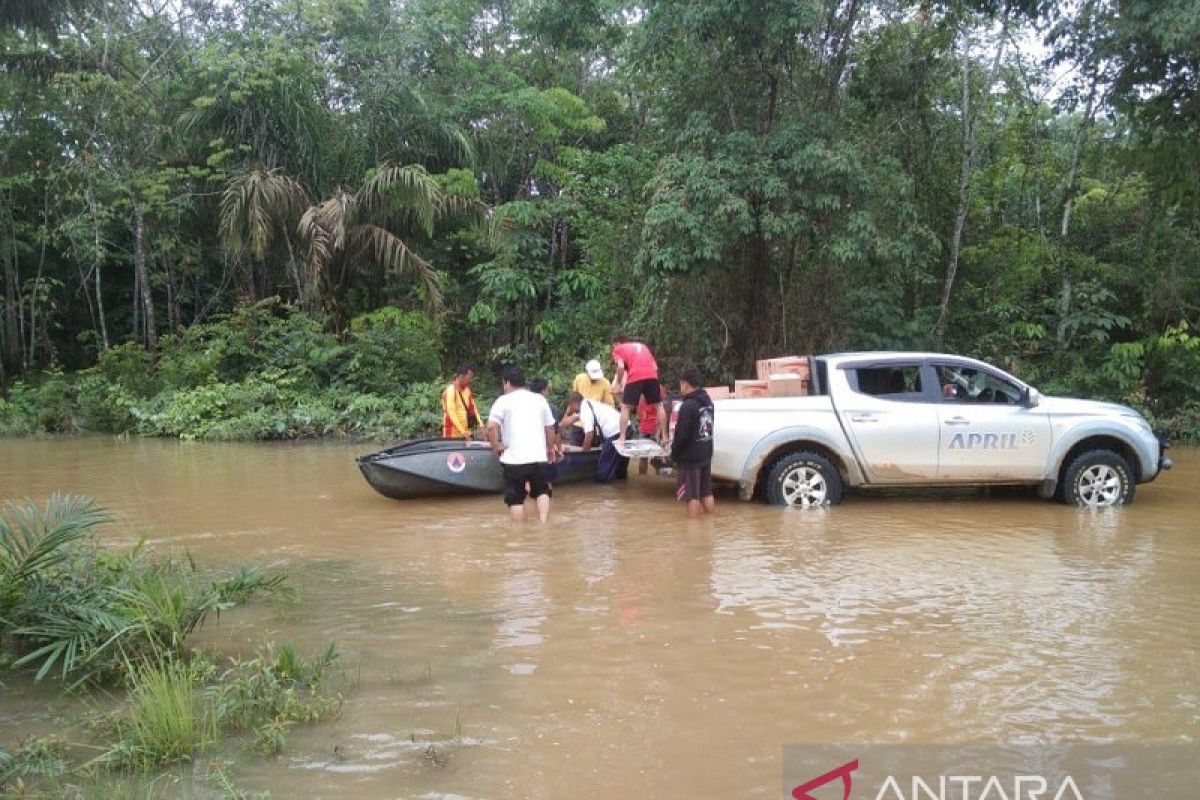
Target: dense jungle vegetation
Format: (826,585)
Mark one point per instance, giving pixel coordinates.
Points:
(280,218)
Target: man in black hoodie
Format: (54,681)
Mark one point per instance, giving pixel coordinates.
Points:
(692,446)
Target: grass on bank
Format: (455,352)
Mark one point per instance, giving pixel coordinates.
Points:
(96,620)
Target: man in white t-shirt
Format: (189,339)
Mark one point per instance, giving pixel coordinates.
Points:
(601,422)
(521,431)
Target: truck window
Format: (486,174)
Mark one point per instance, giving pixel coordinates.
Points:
(889,382)
(969,385)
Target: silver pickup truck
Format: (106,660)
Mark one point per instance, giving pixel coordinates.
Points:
(925,419)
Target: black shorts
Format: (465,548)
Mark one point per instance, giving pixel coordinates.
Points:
(515,478)
(693,481)
(648,389)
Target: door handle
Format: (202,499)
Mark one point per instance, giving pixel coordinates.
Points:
(863,418)
(958,421)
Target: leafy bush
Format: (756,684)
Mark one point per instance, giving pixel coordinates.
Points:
(262,372)
(69,607)
(273,692)
(390,348)
(43,404)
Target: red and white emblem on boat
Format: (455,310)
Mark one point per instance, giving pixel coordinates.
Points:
(456,462)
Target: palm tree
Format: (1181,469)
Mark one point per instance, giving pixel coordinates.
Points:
(258,209)
(346,232)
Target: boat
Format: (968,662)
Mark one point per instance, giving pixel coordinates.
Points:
(431,467)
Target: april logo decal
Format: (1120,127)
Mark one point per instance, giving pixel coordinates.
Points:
(456,462)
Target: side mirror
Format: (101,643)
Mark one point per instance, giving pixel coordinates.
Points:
(1031,397)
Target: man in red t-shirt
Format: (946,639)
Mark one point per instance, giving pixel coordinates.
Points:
(637,377)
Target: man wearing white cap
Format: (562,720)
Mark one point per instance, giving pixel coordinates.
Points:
(592,385)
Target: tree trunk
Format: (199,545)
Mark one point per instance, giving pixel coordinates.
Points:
(964,198)
(1067,289)
(143,279)
(964,178)
(98,255)
(10,347)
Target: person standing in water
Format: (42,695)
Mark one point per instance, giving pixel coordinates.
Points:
(521,431)
(692,446)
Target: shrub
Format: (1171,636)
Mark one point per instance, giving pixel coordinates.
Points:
(68,606)
(43,404)
(273,692)
(390,348)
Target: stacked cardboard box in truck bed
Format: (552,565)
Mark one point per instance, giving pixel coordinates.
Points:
(785,376)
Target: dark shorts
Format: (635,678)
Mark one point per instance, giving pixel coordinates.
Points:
(693,481)
(648,389)
(515,478)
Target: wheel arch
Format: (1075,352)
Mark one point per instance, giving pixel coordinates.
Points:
(763,468)
(1100,441)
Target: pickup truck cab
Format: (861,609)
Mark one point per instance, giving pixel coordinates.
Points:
(887,419)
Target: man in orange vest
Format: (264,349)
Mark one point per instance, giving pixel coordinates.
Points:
(458,405)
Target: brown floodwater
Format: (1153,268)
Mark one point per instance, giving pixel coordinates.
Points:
(625,651)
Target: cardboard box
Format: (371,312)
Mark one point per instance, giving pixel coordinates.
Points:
(792,365)
(745,389)
(717,392)
(786,385)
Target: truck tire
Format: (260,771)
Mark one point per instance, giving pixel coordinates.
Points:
(803,480)
(1097,479)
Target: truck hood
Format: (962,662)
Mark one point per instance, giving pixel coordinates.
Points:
(1077,407)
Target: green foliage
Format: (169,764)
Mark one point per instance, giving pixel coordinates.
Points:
(390,348)
(165,719)
(733,180)
(263,372)
(35,757)
(274,691)
(42,404)
(71,609)
(85,614)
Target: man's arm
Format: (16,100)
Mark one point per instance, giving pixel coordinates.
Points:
(553,450)
(587,441)
(475,411)
(685,429)
(618,377)
(493,436)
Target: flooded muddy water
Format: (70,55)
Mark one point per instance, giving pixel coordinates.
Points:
(625,651)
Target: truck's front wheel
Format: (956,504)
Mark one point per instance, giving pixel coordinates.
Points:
(1097,479)
(805,480)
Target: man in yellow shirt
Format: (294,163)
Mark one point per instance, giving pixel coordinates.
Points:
(592,385)
(458,405)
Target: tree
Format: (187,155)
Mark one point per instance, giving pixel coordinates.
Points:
(346,233)
(258,209)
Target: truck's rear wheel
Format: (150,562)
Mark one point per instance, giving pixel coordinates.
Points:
(1097,479)
(804,480)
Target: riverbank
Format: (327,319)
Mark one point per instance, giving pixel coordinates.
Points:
(263,372)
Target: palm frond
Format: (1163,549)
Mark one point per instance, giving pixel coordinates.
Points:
(33,539)
(408,194)
(257,205)
(323,229)
(391,253)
